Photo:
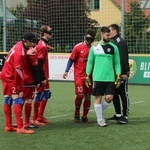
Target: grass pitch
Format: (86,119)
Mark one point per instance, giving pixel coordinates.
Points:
(63,134)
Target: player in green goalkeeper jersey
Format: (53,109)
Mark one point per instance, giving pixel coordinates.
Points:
(103,64)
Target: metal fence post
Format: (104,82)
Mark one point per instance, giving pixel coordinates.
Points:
(4,25)
(122,18)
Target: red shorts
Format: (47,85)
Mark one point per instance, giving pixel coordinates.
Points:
(81,89)
(28,92)
(9,88)
(43,87)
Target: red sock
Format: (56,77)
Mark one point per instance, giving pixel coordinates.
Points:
(8,113)
(36,109)
(27,111)
(78,103)
(18,115)
(86,107)
(42,108)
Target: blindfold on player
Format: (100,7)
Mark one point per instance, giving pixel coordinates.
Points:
(49,32)
(89,40)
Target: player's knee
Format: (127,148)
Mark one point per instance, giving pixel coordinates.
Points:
(79,97)
(88,97)
(38,96)
(8,100)
(18,100)
(28,100)
(109,98)
(47,94)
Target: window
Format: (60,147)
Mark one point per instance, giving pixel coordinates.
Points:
(94,4)
(145,4)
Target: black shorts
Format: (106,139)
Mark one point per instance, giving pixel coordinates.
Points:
(103,88)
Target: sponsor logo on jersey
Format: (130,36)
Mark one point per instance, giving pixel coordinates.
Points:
(108,49)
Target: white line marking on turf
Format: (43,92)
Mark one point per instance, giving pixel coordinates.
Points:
(90,110)
(58,116)
(137,102)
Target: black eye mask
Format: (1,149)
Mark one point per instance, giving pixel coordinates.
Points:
(49,32)
(89,39)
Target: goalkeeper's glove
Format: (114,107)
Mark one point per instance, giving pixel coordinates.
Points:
(118,80)
(87,81)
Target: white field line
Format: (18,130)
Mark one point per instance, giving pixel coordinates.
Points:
(137,102)
(58,116)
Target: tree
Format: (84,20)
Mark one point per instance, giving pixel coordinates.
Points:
(136,29)
(68,19)
(21,25)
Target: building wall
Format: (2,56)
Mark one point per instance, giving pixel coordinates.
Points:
(14,3)
(108,13)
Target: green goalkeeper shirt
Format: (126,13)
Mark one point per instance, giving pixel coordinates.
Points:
(103,62)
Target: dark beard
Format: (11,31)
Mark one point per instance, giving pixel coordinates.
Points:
(105,40)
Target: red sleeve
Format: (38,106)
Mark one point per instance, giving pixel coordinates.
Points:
(41,61)
(41,53)
(18,65)
(19,57)
(35,68)
(34,60)
(74,53)
(18,80)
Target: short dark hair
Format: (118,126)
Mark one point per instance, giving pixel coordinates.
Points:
(115,27)
(44,29)
(90,32)
(29,36)
(105,29)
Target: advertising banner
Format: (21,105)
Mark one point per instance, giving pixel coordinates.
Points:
(2,59)
(57,66)
(139,67)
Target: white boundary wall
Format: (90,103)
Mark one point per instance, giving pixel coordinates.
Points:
(57,66)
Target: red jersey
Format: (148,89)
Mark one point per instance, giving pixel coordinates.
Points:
(27,73)
(12,69)
(79,55)
(42,53)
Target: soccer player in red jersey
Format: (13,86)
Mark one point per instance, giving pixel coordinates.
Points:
(31,80)
(43,93)
(79,57)
(11,76)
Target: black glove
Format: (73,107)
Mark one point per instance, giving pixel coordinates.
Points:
(118,80)
(87,81)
